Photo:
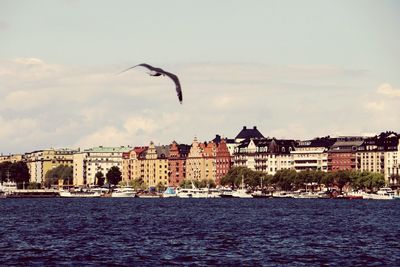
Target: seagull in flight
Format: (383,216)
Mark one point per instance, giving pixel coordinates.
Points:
(158,72)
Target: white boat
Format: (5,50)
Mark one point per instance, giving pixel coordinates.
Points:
(384,193)
(124,192)
(195,192)
(282,194)
(82,193)
(225,192)
(8,187)
(148,196)
(304,194)
(241,192)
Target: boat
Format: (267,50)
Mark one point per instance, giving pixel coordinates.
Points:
(33,193)
(260,193)
(308,195)
(281,194)
(148,195)
(80,193)
(169,192)
(384,193)
(124,192)
(8,187)
(195,192)
(225,192)
(241,192)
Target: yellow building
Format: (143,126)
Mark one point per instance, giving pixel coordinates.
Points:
(41,161)
(131,164)
(154,165)
(195,162)
(11,158)
(201,161)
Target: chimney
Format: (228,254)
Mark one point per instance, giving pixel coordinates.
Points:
(244,127)
(255,128)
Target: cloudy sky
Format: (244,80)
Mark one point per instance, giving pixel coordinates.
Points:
(296,69)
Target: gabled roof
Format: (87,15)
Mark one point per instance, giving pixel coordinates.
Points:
(249,133)
(162,151)
(184,149)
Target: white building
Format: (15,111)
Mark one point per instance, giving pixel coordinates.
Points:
(266,155)
(99,159)
(312,154)
(380,154)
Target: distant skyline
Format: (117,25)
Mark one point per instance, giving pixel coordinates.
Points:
(294,69)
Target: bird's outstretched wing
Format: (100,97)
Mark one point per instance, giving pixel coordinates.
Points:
(158,71)
(151,68)
(175,79)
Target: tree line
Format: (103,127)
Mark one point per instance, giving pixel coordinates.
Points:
(17,172)
(291,180)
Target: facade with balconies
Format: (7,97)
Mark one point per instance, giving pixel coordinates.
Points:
(343,153)
(380,154)
(312,154)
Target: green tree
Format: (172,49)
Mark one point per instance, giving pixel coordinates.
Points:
(341,178)
(373,181)
(284,179)
(19,173)
(328,179)
(99,178)
(5,171)
(114,175)
(62,172)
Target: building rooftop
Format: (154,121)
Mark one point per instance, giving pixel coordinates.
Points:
(103,149)
(249,133)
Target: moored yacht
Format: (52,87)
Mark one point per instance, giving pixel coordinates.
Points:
(79,193)
(8,187)
(384,193)
(241,192)
(124,192)
(195,192)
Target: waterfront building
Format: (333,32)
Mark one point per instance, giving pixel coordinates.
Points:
(245,154)
(131,164)
(380,154)
(13,158)
(209,155)
(266,155)
(154,165)
(247,133)
(342,154)
(195,162)
(223,160)
(39,162)
(98,159)
(273,155)
(312,154)
(177,163)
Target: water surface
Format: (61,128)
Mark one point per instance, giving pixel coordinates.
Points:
(150,232)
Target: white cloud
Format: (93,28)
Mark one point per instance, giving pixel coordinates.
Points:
(47,105)
(387,90)
(375,106)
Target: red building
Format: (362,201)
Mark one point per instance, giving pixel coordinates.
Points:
(177,163)
(342,154)
(223,161)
